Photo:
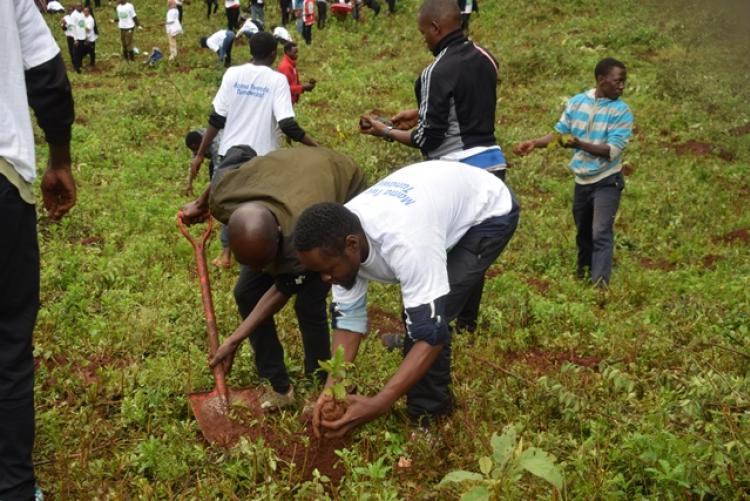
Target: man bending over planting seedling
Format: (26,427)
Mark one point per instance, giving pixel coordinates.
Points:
(432,227)
(260,198)
(597,124)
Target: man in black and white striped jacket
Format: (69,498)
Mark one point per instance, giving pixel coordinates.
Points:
(456,96)
(456,116)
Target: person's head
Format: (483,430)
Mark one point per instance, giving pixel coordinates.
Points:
(171,4)
(263,48)
(78,7)
(290,49)
(329,239)
(610,77)
(254,235)
(203,42)
(436,19)
(193,140)
(86,12)
(122,2)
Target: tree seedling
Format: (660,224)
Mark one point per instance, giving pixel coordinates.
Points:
(337,368)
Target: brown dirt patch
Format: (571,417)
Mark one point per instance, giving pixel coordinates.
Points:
(544,361)
(91,241)
(709,261)
(384,322)
(183,69)
(741,130)
(740,235)
(657,264)
(628,169)
(542,286)
(493,272)
(246,419)
(699,148)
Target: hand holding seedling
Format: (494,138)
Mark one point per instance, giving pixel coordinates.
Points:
(405,120)
(369,124)
(358,411)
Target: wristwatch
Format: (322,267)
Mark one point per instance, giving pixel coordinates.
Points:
(387,134)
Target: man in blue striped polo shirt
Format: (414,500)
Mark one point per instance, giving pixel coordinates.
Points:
(597,124)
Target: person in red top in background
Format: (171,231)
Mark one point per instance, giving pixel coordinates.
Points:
(288,68)
(308,18)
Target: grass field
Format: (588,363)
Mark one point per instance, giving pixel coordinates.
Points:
(641,392)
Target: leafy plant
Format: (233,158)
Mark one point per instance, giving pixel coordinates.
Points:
(337,369)
(505,467)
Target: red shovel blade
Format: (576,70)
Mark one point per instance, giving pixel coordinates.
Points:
(224,425)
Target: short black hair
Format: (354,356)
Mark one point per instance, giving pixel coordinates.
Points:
(203,41)
(325,225)
(604,66)
(262,44)
(193,138)
(288,46)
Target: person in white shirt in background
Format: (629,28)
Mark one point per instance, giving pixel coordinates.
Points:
(220,42)
(232,10)
(173,27)
(79,35)
(91,36)
(32,77)
(127,20)
(68,25)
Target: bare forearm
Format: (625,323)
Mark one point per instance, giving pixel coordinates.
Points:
(543,142)
(270,303)
(59,156)
(414,366)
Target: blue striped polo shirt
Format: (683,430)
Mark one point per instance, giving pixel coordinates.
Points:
(598,121)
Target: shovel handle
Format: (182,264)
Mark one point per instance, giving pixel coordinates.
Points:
(199,247)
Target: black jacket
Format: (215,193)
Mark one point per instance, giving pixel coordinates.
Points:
(456,96)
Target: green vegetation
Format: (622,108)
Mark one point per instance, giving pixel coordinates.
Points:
(642,392)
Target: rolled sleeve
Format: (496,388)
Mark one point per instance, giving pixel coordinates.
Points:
(427,323)
(619,134)
(350,316)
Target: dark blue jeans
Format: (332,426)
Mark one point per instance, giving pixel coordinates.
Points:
(594,209)
(310,307)
(19,303)
(467,263)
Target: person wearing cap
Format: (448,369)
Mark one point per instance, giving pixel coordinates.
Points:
(281,34)
(288,68)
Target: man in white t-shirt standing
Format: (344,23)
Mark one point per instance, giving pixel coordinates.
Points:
(33,75)
(434,228)
(79,36)
(127,20)
(91,35)
(253,103)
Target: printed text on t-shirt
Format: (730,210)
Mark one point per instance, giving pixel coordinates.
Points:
(250,90)
(393,189)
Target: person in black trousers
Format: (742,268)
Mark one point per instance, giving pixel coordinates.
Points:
(46,88)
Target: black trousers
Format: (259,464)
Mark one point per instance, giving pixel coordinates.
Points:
(467,319)
(391,6)
(233,18)
(90,49)
(71,49)
(322,11)
(209,3)
(307,33)
(19,303)
(310,307)
(467,263)
(285,6)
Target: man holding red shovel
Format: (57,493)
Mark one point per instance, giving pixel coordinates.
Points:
(260,198)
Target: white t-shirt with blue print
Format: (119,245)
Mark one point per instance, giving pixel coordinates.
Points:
(411,219)
(254,99)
